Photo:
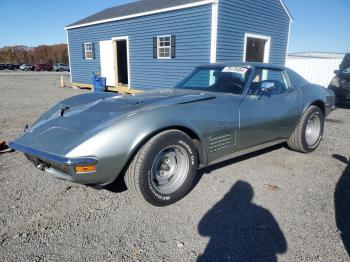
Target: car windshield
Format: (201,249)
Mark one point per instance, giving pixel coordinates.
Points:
(230,79)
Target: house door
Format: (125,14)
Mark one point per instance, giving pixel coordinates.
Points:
(121,63)
(114,59)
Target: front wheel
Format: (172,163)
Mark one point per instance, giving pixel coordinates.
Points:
(308,134)
(163,170)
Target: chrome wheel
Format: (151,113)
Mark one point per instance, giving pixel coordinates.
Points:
(169,169)
(313,129)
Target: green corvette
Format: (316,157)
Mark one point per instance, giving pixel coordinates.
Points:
(158,140)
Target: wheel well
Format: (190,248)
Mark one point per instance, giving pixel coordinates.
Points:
(320,105)
(195,138)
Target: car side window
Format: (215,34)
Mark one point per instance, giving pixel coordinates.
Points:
(262,75)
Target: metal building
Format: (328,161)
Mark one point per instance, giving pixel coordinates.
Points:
(316,67)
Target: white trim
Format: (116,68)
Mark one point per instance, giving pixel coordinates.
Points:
(92,51)
(70,67)
(158,46)
(204,2)
(127,55)
(214,31)
(267,45)
(287,50)
(286,10)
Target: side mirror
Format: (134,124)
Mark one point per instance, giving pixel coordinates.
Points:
(267,87)
(336,72)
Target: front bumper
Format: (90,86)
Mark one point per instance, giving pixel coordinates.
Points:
(342,95)
(59,166)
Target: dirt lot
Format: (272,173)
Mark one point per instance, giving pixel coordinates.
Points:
(275,204)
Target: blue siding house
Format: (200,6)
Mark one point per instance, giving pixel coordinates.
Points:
(155,43)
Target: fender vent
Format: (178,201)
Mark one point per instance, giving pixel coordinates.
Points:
(222,142)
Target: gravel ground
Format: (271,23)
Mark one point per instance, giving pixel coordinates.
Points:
(274,204)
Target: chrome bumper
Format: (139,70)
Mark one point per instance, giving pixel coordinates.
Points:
(60,166)
(52,158)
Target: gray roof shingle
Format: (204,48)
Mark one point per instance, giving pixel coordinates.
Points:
(131,9)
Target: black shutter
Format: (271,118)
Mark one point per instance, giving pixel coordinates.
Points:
(93,50)
(83,50)
(173,46)
(155,46)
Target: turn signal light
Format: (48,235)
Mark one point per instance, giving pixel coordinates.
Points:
(85,169)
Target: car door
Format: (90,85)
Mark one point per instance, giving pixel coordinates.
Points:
(268,115)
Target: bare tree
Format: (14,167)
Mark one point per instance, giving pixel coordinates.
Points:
(44,54)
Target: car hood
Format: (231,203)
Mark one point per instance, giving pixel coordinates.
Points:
(70,122)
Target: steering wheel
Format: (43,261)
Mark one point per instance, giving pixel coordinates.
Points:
(237,87)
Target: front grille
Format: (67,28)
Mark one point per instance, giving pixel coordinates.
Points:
(60,168)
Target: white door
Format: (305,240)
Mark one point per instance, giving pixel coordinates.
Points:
(107,61)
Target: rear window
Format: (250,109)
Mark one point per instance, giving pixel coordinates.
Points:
(296,79)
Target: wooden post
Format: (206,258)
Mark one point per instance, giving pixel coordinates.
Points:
(62,82)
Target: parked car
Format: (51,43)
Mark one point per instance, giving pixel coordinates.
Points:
(12,67)
(26,67)
(43,67)
(158,139)
(61,67)
(340,84)
(3,66)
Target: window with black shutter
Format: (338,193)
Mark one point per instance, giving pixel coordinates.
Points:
(164,47)
(88,51)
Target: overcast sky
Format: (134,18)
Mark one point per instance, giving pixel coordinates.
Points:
(319,25)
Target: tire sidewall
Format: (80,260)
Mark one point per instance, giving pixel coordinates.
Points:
(312,111)
(148,190)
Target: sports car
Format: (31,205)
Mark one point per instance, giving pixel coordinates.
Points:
(157,140)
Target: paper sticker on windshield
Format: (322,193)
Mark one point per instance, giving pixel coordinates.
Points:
(235,69)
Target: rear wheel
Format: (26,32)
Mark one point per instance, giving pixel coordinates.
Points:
(163,170)
(308,134)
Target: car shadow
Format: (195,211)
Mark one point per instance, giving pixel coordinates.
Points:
(342,203)
(118,186)
(240,230)
(343,105)
(207,170)
(334,121)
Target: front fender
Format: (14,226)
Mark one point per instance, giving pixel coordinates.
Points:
(114,146)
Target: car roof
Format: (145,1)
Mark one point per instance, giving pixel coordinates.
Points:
(245,64)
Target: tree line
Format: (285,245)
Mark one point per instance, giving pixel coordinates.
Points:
(42,54)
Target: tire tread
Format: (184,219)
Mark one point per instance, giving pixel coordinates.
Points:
(295,142)
(132,173)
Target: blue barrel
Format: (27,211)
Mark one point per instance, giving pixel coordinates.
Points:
(99,84)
